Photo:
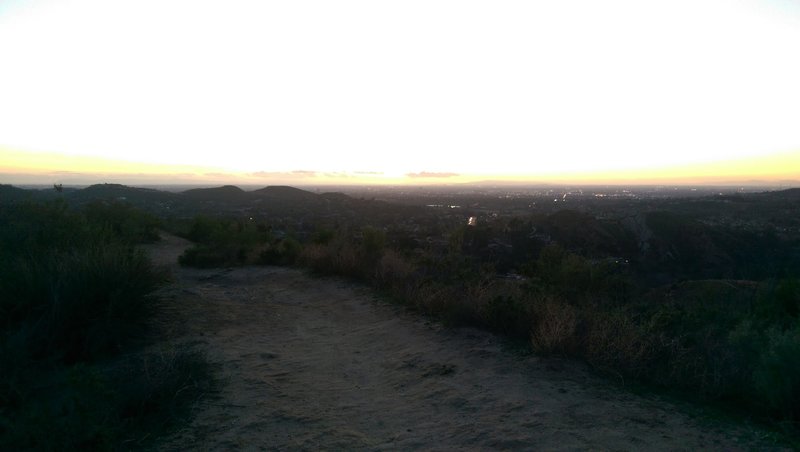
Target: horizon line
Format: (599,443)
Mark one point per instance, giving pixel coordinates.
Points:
(31,168)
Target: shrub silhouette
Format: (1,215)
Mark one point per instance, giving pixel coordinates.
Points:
(76,298)
(224,242)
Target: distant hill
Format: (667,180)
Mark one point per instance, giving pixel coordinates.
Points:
(119,192)
(270,201)
(226,193)
(10,193)
(111,190)
(285,193)
(791,194)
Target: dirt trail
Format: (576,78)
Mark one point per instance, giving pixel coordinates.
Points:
(311,363)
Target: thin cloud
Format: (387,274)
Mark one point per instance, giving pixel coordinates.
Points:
(265,174)
(284,174)
(426,174)
(62,173)
(338,175)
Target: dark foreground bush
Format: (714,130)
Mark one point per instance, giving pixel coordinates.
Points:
(79,305)
(123,221)
(120,404)
(76,299)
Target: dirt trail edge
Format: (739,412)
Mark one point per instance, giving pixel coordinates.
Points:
(308,363)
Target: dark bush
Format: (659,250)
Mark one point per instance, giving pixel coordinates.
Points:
(78,305)
(224,242)
(75,296)
(125,221)
(508,315)
(777,375)
(283,252)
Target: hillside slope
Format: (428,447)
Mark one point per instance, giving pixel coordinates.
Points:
(321,364)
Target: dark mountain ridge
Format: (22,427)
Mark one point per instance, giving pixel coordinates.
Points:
(226,199)
(285,192)
(224,193)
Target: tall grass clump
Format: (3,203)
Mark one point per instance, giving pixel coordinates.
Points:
(76,299)
(79,304)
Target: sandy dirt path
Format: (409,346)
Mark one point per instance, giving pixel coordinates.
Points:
(308,363)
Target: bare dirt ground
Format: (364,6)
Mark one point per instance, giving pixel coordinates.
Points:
(310,363)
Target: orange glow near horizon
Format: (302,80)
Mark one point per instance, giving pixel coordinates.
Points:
(51,162)
(45,168)
(776,167)
(321,92)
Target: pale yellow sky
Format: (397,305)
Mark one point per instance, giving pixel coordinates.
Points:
(373,92)
(37,168)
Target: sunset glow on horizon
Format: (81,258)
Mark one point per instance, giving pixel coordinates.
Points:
(399,92)
(44,168)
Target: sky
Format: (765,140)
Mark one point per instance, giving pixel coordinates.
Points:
(399,91)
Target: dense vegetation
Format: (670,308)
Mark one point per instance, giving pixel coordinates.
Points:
(696,294)
(702,308)
(76,299)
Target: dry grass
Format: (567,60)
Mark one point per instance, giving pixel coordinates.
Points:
(614,341)
(555,326)
(393,270)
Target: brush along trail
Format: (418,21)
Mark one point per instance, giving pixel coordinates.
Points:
(321,363)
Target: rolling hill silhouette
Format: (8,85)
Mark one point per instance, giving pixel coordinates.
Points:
(226,193)
(285,193)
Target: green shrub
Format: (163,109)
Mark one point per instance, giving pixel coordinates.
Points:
(118,405)
(125,221)
(777,376)
(373,244)
(323,236)
(226,242)
(205,230)
(564,273)
(508,315)
(39,228)
(80,304)
(779,303)
(71,404)
(283,252)
(74,296)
